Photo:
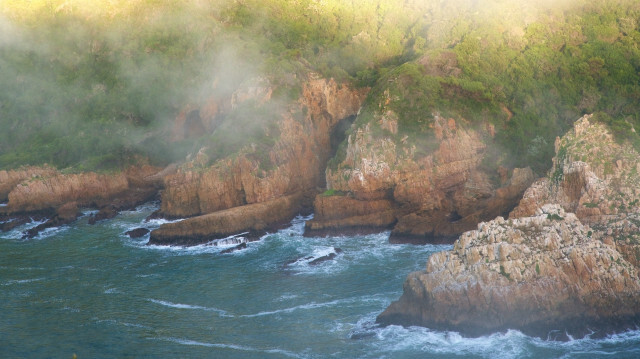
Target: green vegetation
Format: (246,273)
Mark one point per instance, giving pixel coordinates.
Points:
(554,217)
(505,274)
(332,192)
(97,86)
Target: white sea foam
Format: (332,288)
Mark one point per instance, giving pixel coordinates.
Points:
(231,346)
(126,324)
(188,306)
(23,281)
(50,232)
(345,302)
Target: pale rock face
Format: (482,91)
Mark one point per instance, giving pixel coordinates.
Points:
(544,269)
(537,274)
(592,176)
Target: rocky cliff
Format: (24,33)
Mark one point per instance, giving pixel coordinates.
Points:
(294,164)
(434,190)
(58,196)
(543,269)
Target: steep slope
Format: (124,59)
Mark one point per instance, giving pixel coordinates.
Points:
(293,165)
(439,175)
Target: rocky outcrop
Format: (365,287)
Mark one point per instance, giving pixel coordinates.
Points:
(297,159)
(255,218)
(544,269)
(58,196)
(436,195)
(592,176)
(294,164)
(538,274)
(10,179)
(340,214)
(52,191)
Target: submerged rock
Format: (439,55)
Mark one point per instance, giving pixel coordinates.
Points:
(543,269)
(137,233)
(239,247)
(315,260)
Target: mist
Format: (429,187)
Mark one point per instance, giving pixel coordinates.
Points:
(99,84)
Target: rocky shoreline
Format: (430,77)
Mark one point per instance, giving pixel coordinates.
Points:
(545,271)
(567,258)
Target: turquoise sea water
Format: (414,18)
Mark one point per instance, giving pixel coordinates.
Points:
(92,291)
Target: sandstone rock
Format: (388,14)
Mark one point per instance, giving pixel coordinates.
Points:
(10,179)
(544,269)
(441,194)
(342,213)
(592,175)
(299,157)
(536,274)
(256,218)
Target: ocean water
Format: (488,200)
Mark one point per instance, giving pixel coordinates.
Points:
(92,291)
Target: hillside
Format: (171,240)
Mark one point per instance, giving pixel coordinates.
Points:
(98,86)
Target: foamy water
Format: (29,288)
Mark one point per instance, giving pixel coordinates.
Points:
(93,291)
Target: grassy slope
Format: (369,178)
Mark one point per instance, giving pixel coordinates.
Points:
(94,87)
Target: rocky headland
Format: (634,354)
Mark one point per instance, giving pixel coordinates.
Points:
(259,188)
(428,184)
(564,263)
(44,192)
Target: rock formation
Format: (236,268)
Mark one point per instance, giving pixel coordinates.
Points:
(254,218)
(50,193)
(292,168)
(544,270)
(430,196)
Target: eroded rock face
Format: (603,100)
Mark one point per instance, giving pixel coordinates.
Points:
(10,179)
(592,175)
(437,196)
(544,269)
(341,214)
(54,189)
(298,157)
(536,274)
(57,196)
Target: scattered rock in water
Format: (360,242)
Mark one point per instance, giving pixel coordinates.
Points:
(106,212)
(65,214)
(13,223)
(137,233)
(314,260)
(239,247)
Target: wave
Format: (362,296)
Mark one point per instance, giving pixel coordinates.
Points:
(381,298)
(116,322)
(510,344)
(189,306)
(230,346)
(23,281)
